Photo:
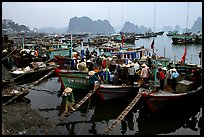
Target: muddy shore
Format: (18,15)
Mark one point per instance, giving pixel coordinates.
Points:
(18,118)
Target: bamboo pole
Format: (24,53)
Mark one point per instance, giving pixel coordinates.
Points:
(26,89)
(88,95)
(123,114)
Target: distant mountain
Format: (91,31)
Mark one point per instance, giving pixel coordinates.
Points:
(87,25)
(8,26)
(130,27)
(197,26)
(52,30)
(167,28)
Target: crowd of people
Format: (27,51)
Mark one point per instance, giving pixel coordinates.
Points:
(109,70)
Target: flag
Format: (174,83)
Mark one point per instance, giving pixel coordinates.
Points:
(184,55)
(152,44)
(123,39)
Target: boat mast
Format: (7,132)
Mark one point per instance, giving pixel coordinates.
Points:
(187,19)
(155,72)
(154,15)
(23,40)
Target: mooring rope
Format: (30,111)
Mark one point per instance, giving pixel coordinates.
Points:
(85,117)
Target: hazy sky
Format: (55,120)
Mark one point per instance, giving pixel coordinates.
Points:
(58,14)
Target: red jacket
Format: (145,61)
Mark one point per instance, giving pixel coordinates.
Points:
(161,75)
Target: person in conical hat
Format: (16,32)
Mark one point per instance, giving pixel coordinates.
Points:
(68,90)
(175,75)
(92,79)
(174,69)
(69,100)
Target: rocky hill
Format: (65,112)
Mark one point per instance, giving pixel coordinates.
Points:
(87,25)
(197,26)
(8,26)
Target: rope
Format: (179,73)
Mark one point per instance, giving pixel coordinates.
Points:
(85,117)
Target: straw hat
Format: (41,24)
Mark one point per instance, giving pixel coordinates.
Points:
(164,68)
(104,58)
(91,73)
(159,64)
(88,60)
(174,69)
(123,65)
(143,65)
(131,64)
(68,90)
(128,65)
(114,56)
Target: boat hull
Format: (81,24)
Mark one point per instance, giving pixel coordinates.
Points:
(74,79)
(107,91)
(162,101)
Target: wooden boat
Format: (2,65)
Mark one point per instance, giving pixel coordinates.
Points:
(77,80)
(28,74)
(19,93)
(189,88)
(108,91)
(24,59)
(167,101)
(73,78)
(172,33)
(64,62)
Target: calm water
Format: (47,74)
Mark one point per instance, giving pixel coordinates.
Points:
(92,118)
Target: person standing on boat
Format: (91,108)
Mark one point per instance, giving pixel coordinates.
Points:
(131,73)
(161,78)
(164,69)
(92,79)
(175,75)
(169,75)
(137,67)
(144,73)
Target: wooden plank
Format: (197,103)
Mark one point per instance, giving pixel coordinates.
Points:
(123,114)
(88,95)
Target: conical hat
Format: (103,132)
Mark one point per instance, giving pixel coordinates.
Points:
(164,68)
(68,90)
(128,65)
(143,65)
(174,69)
(123,65)
(91,73)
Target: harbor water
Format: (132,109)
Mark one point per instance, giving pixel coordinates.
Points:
(94,118)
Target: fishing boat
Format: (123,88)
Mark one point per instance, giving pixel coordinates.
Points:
(77,80)
(108,91)
(28,74)
(188,89)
